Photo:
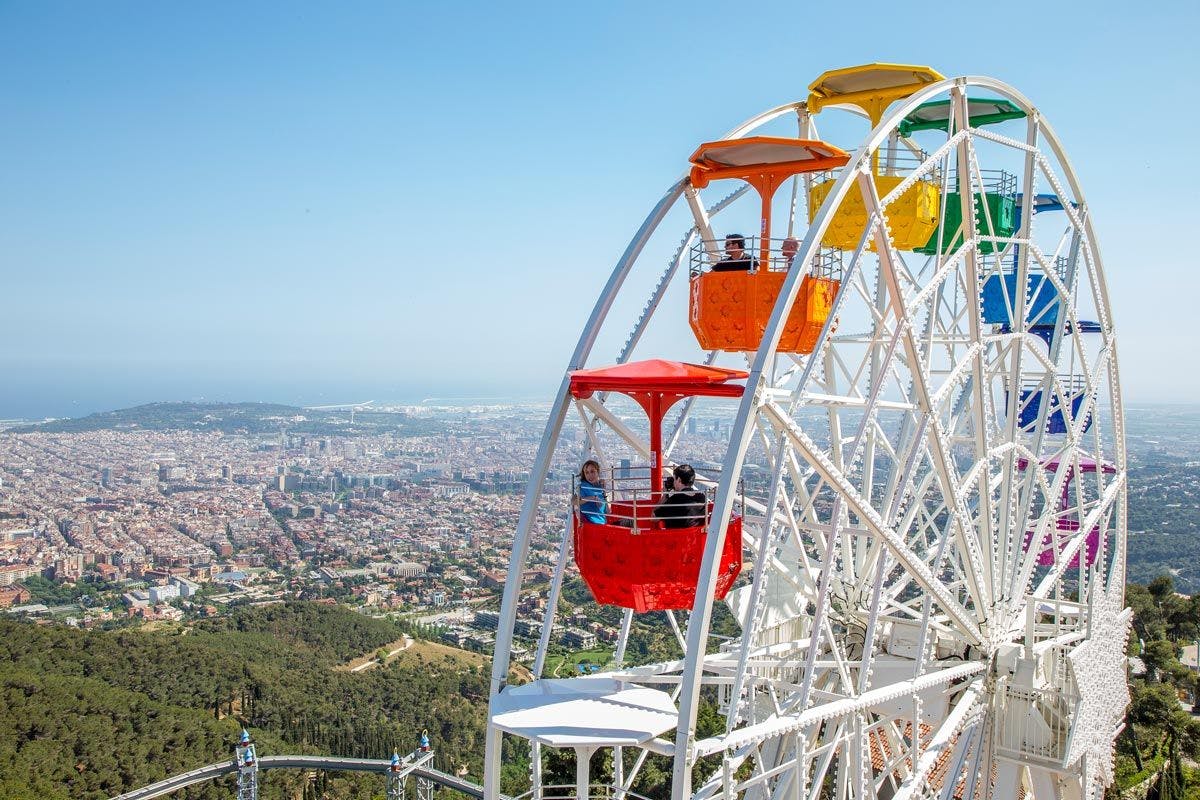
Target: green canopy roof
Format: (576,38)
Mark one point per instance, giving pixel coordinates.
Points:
(935,116)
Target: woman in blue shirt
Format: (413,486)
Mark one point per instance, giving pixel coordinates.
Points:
(593,505)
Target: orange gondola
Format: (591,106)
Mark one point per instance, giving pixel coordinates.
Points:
(730,308)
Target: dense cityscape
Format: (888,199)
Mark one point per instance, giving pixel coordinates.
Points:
(399,510)
(366,536)
(374,536)
(142,518)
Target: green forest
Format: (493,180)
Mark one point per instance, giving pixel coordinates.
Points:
(1158,749)
(90,714)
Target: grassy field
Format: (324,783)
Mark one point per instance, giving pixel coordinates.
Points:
(559,666)
(424,652)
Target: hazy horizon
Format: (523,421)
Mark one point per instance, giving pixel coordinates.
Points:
(65,398)
(292,206)
(77,394)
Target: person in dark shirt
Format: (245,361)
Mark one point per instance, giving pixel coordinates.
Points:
(736,258)
(683,506)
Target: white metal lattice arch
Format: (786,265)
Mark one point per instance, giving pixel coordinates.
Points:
(934,606)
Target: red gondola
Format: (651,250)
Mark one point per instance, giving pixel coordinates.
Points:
(631,560)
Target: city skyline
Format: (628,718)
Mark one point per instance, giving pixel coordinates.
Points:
(301,205)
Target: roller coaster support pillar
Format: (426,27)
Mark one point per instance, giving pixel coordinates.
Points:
(247,769)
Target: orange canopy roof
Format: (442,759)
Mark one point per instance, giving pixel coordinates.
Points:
(657,375)
(755,157)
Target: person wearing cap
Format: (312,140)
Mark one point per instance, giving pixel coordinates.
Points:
(736,258)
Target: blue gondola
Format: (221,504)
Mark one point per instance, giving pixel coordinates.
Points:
(999,296)
(1046,332)
(1056,421)
(1041,298)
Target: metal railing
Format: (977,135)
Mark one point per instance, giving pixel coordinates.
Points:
(709,254)
(1035,723)
(210,772)
(1074,386)
(995,181)
(898,163)
(599,791)
(1050,619)
(1006,264)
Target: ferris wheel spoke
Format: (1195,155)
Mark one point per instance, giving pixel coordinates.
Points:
(867,294)
(970,178)
(958,374)
(656,294)
(1111,495)
(931,291)
(942,740)
(979,583)
(837,709)
(685,411)
(756,606)
(804,509)
(912,561)
(631,439)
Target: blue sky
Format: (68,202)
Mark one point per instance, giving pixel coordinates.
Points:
(304,202)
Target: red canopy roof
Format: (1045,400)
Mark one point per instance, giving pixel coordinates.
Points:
(657,375)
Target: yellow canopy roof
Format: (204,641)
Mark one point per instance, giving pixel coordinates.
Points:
(871,87)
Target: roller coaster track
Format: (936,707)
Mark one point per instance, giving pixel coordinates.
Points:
(381,766)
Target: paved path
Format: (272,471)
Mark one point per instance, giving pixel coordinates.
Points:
(366,665)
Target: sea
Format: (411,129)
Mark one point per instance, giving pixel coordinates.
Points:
(78,394)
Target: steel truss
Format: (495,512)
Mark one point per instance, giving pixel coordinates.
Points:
(246,761)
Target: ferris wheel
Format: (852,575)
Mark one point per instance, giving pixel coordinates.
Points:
(926,565)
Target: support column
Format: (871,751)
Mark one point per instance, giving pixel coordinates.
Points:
(1008,779)
(396,777)
(247,763)
(424,788)
(583,759)
(1044,785)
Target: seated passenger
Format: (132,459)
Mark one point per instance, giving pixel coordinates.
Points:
(683,506)
(736,258)
(592,504)
(789,248)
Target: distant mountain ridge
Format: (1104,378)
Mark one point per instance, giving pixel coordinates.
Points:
(172,416)
(235,418)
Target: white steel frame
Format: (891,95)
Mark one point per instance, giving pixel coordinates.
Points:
(897,513)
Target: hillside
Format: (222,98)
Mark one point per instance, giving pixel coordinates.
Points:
(91,714)
(236,418)
(173,416)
